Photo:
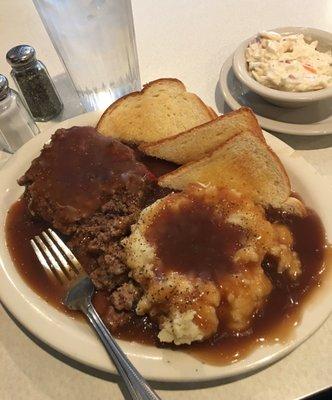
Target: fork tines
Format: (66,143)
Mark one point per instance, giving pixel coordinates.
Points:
(56,257)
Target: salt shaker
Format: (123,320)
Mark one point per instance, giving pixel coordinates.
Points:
(34,83)
(16,123)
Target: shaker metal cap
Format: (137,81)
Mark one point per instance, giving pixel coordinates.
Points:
(20,56)
(4,88)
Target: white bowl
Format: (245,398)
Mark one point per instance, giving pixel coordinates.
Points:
(279,97)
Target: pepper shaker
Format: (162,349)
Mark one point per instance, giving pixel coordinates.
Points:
(16,123)
(34,83)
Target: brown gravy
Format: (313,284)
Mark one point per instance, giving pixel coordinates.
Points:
(274,323)
(193,237)
(155,165)
(80,169)
(20,228)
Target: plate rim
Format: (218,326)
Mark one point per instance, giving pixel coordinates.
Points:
(209,373)
(268,123)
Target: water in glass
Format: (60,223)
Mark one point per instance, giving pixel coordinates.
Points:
(96,41)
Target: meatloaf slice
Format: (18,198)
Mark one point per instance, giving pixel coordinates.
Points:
(91,188)
(77,173)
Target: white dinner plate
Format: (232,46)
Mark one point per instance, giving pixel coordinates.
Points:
(314,119)
(76,340)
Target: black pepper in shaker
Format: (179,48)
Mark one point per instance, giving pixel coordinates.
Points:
(34,83)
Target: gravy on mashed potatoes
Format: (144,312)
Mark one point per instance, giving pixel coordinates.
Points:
(198,257)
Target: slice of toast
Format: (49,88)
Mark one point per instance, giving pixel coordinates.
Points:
(196,142)
(163,108)
(244,163)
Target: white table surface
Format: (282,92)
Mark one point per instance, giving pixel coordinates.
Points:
(188,40)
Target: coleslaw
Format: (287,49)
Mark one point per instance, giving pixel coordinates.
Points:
(289,63)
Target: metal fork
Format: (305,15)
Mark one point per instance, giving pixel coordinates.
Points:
(63,267)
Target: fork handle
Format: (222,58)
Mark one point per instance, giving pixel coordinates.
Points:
(137,387)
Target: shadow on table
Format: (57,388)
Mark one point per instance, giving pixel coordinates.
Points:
(114,378)
(69,97)
(221,104)
(295,141)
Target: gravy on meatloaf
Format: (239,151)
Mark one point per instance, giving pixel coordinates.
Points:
(78,173)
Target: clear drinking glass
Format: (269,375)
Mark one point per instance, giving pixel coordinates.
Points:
(96,41)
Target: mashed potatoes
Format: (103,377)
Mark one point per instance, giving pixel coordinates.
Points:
(197,256)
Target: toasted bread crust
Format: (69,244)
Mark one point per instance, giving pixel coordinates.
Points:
(113,106)
(256,132)
(166,180)
(212,112)
(146,86)
(195,148)
(118,102)
(281,166)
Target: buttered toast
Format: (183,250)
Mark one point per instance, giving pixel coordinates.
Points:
(161,109)
(244,163)
(193,144)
